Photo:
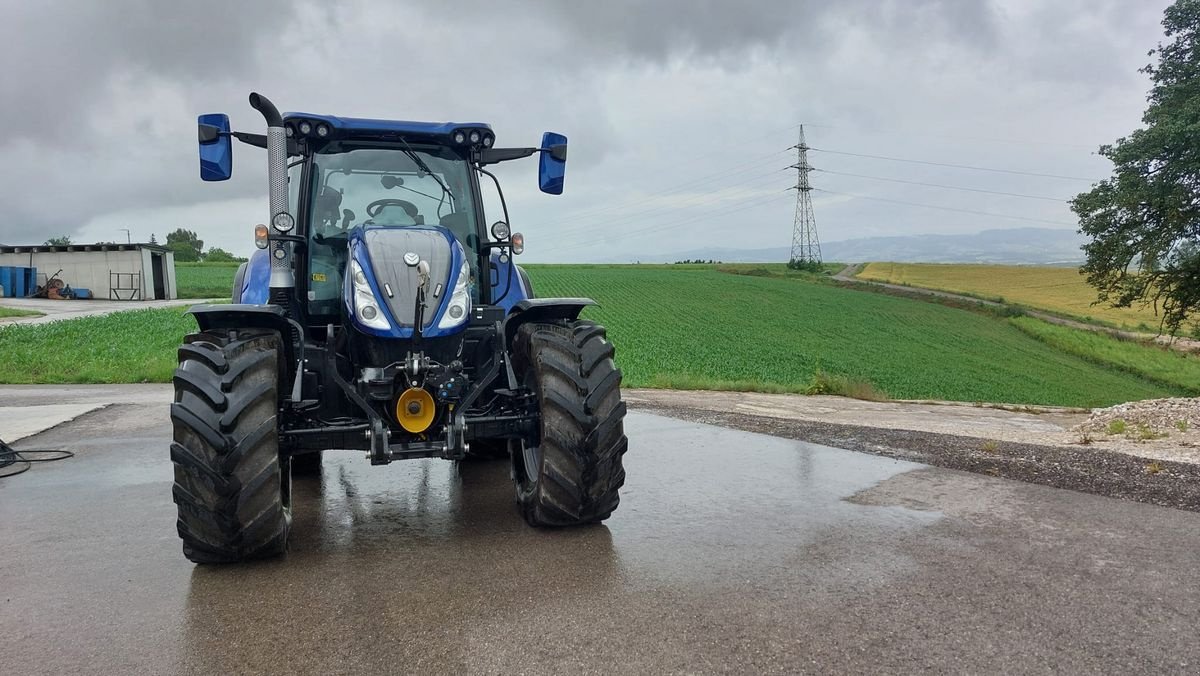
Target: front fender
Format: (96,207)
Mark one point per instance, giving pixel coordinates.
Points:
(242,316)
(542,310)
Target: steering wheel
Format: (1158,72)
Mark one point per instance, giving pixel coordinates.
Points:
(375,207)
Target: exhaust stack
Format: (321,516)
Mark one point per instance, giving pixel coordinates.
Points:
(282,278)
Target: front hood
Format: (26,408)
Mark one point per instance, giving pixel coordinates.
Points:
(386,249)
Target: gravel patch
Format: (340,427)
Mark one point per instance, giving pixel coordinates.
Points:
(1150,418)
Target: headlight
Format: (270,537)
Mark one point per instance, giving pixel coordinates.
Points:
(460,300)
(322,130)
(366,305)
(500,231)
(488,140)
(460,137)
(475,136)
(283,221)
(305,127)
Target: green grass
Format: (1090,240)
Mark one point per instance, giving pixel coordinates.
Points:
(694,327)
(1167,367)
(15,312)
(205,280)
(124,347)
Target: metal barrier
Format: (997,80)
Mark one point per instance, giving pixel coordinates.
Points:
(117,285)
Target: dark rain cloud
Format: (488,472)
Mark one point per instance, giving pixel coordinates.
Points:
(98,99)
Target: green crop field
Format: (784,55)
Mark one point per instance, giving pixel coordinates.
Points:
(1059,290)
(137,346)
(698,327)
(205,280)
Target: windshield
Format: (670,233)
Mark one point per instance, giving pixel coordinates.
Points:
(392,186)
(395,186)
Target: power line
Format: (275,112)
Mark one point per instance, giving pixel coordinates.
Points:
(942,208)
(957,166)
(739,168)
(939,185)
(715,196)
(690,219)
(878,131)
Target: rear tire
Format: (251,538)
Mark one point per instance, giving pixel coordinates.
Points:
(485,450)
(572,473)
(232,491)
(307,464)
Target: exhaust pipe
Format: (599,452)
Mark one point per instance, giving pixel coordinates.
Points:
(282,279)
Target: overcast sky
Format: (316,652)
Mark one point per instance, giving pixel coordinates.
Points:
(679,112)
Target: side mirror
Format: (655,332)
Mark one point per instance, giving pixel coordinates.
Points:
(216,147)
(553,164)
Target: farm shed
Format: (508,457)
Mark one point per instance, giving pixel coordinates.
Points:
(109,271)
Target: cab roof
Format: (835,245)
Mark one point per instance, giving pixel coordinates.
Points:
(356,126)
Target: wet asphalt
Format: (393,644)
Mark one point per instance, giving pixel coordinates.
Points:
(731,552)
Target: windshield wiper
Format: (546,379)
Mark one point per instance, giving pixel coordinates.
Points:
(412,155)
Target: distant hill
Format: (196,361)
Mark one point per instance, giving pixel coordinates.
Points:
(1019,245)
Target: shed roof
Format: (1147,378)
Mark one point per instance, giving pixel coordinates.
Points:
(73,248)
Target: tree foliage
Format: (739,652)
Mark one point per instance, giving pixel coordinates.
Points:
(186,244)
(1144,221)
(61,240)
(184,252)
(219,255)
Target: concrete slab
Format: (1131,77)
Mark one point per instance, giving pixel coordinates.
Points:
(18,422)
(730,553)
(54,310)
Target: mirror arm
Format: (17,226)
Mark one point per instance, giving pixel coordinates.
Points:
(256,140)
(494,155)
(260,141)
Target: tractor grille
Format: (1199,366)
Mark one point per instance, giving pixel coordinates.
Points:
(386,248)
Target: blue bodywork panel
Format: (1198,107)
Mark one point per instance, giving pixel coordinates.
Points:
(256,285)
(507,291)
(355,125)
(358,253)
(508,287)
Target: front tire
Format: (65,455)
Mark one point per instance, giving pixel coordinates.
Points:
(570,475)
(232,491)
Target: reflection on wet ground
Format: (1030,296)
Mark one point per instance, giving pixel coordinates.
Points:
(729,551)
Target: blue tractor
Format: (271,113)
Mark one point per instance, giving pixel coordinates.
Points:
(380,314)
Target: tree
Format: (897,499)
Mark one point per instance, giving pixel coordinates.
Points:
(219,255)
(186,245)
(61,240)
(184,252)
(1144,221)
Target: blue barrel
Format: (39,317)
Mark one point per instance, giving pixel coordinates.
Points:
(14,285)
(8,281)
(18,277)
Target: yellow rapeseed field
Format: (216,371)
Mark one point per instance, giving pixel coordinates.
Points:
(1059,290)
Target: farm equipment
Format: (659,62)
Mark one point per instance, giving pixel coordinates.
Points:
(380,314)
